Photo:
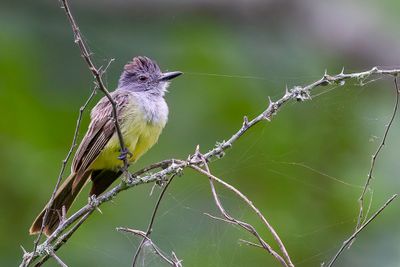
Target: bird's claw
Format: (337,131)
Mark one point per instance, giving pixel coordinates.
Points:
(124,153)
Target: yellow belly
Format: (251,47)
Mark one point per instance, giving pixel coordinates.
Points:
(139,136)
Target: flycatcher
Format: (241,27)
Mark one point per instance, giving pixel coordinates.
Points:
(142,114)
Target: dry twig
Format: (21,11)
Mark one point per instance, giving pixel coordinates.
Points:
(62,170)
(173,262)
(152,218)
(100,85)
(97,73)
(361,216)
(354,235)
(285,260)
(57,259)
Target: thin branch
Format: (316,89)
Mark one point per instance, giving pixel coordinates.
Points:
(178,262)
(246,226)
(63,166)
(161,164)
(375,156)
(245,199)
(103,71)
(354,235)
(82,214)
(173,262)
(58,260)
(97,73)
(63,238)
(100,84)
(249,243)
(217,218)
(152,218)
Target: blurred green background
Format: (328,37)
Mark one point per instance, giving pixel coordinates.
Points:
(234,54)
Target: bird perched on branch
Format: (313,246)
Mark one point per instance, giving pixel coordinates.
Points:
(142,114)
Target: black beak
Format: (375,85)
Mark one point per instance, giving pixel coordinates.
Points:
(169,75)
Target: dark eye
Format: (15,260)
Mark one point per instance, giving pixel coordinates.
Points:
(142,78)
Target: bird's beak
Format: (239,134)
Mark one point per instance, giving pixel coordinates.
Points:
(169,75)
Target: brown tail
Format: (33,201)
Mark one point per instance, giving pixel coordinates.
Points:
(65,196)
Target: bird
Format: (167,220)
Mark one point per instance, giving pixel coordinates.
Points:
(142,113)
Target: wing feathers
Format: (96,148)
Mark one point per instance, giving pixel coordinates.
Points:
(100,131)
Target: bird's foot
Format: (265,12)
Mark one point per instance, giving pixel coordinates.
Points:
(124,154)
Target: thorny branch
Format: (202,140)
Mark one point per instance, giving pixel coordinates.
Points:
(63,238)
(97,73)
(171,167)
(99,85)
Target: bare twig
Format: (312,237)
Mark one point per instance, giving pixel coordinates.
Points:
(354,235)
(285,260)
(176,260)
(361,215)
(152,218)
(249,243)
(97,73)
(58,260)
(63,166)
(245,199)
(63,238)
(161,164)
(104,70)
(217,218)
(82,214)
(173,262)
(100,85)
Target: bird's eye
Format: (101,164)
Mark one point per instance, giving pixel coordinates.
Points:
(142,78)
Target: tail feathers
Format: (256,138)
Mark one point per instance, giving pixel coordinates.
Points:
(102,179)
(65,196)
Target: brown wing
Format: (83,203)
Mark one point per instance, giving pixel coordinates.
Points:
(101,129)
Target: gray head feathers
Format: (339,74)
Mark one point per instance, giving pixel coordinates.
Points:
(140,75)
(144,75)
(142,64)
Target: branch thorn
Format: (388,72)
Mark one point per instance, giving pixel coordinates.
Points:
(23,249)
(286,90)
(245,121)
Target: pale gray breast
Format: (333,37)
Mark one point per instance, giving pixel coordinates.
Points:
(153,108)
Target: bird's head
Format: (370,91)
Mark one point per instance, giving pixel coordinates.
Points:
(144,75)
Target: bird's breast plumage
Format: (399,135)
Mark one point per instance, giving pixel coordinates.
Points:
(142,121)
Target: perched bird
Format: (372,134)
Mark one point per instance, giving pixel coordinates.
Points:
(142,115)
